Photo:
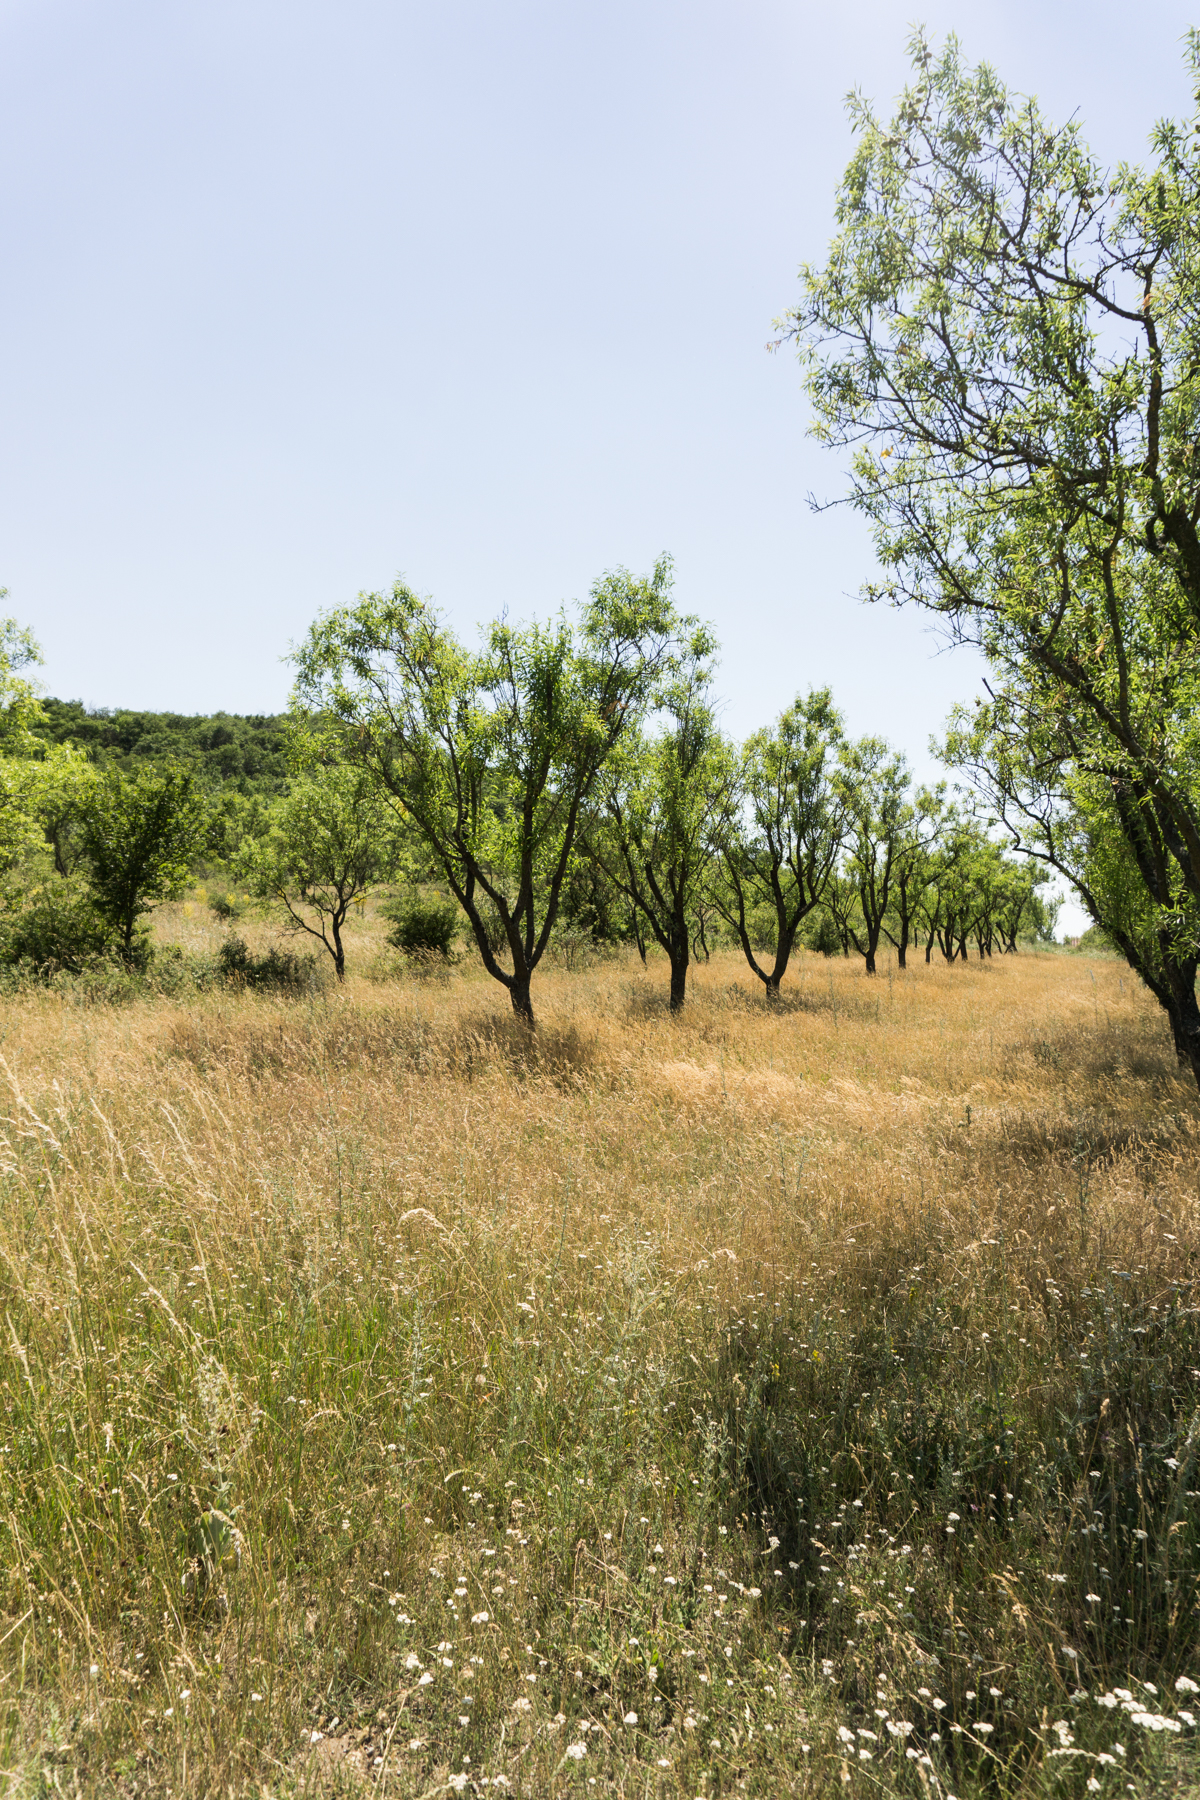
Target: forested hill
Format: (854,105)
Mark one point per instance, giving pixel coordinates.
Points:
(242,752)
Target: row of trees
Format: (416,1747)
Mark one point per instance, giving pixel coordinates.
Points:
(1007,338)
(567,776)
(587,758)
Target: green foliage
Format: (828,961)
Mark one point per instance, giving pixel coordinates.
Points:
(822,934)
(776,868)
(246,755)
(53,925)
(489,757)
(872,782)
(1010,337)
(666,803)
(328,842)
(422,924)
(227,907)
(21,708)
(139,834)
(272,969)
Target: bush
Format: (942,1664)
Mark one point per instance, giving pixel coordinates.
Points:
(1095,938)
(822,934)
(281,970)
(421,925)
(55,927)
(226,906)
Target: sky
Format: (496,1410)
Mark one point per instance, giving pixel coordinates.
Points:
(301,296)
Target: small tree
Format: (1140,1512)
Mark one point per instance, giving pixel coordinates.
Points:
(665,802)
(873,781)
(139,834)
(914,866)
(329,841)
(492,757)
(41,784)
(782,861)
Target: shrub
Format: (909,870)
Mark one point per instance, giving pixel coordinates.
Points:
(422,925)
(56,927)
(822,934)
(1095,938)
(275,968)
(226,906)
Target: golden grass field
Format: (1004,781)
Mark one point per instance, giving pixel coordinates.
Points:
(744,1402)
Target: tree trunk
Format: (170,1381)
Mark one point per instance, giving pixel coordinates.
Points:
(521,1003)
(679,969)
(772,987)
(339,954)
(1184,1014)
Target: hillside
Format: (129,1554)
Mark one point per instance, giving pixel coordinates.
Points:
(244,752)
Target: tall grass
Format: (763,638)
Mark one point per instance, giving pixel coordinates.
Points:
(765,1401)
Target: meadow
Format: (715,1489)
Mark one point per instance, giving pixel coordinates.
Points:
(790,1400)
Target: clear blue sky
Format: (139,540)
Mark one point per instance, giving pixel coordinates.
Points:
(300,295)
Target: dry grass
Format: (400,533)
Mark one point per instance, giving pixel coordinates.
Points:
(756,1373)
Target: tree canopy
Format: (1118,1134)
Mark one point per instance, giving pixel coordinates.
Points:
(1007,338)
(492,754)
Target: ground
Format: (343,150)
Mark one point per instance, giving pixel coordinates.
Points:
(773,1400)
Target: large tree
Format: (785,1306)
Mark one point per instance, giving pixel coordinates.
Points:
(490,756)
(1009,337)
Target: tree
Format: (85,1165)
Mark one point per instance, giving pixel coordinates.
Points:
(491,757)
(20,702)
(656,831)
(329,842)
(139,834)
(842,908)
(914,865)
(872,782)
(782,859)
(1068,816)
(39,786)
(1011,339)
(58,793)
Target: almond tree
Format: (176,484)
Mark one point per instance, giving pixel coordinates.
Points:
(781,859)
(327,844)
(872,782)
(1008,338)
(491,756)
(663,805)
